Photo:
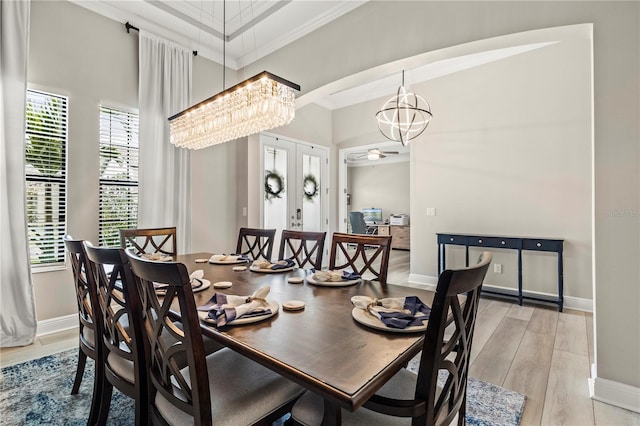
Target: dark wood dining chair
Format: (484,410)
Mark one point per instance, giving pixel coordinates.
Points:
(256,243)
(222,388)
(89,326)
(305,248)
(362,254)
(119,304)
(422,397)
(150,240)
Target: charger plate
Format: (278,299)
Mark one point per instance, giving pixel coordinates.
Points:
(227,262)
(271,271)
(365,318)
(205,285)
(273,306)
(341,283)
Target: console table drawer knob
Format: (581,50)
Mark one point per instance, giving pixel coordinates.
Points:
(479,241)
(538,244)
(503,242)
(451,239)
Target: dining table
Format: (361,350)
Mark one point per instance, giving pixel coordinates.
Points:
(321,347)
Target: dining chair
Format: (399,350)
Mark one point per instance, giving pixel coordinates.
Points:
(89,325)
(123,345)
(362,254)
(256,243)
(303,247)
(222,388)
(150,240)
(437,394)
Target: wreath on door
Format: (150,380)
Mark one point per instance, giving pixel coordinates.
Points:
(310,187)
(273,184)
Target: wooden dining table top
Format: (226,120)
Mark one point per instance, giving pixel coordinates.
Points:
(321,347)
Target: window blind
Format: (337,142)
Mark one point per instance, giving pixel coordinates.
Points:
(118,174)
(46,176)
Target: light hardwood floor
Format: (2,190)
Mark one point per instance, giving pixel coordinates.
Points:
(533,350)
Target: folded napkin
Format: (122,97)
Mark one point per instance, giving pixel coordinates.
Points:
(344,275)
(280,264)
(196,282)
(399,312)
(229,258)
(224,308)
(156,256)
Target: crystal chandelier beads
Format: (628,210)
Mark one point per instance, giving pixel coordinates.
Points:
(404,117)
(260,103)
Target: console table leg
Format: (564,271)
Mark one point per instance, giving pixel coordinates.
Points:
(520,277)
(560,283)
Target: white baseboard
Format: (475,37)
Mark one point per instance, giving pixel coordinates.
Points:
(427,282)
(55,325)
(614,393)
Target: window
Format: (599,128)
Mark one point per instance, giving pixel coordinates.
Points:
(118,174)
(46,176)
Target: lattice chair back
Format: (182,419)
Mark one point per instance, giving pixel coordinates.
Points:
(86,296)
(305,248)
(361,253)
(455,305)
(119,304)
(256,243)
(167,343)
(150,241)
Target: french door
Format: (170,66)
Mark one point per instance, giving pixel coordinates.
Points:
(295,186)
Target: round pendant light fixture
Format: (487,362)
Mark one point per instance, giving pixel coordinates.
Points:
(404,116)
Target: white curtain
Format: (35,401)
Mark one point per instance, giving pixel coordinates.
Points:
(17,316)
(164,176)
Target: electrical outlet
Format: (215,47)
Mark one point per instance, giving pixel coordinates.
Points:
(431,211)
(497,268)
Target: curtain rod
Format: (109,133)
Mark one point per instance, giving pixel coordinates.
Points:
(129,27)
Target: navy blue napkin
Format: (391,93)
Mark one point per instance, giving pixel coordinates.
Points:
(283,264)
(403,320)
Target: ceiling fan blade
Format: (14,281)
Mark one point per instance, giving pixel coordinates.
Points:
(389,152)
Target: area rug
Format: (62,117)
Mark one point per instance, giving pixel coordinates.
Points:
(38,392)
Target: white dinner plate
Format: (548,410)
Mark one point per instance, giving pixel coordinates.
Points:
(341,283)
(365,318)
(271,271)
(205,285)
(227,262)
(273,306)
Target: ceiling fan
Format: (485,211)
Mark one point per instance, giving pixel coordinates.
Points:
(374,154)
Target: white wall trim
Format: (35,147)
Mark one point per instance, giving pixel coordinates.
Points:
(57,324)
(427,282)
(615,393)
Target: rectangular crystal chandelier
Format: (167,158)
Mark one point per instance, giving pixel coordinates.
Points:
(259,103)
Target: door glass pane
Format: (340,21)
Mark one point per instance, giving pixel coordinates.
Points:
(275,188)
(311,187)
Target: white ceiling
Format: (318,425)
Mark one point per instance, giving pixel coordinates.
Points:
(254,28)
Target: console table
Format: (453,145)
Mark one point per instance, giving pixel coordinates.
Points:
(515,243)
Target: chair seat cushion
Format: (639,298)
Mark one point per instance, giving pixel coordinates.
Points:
(242,391)
(89,336)
(121,366)
(309,409)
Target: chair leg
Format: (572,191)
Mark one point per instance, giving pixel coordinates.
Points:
(82,361)
(105,402)
(462,413)
(96,400)
(142,410)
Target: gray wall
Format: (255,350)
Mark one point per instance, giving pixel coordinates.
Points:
(92,59)
(428,26)
(385,186)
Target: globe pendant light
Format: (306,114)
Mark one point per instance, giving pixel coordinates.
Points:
(404,116)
